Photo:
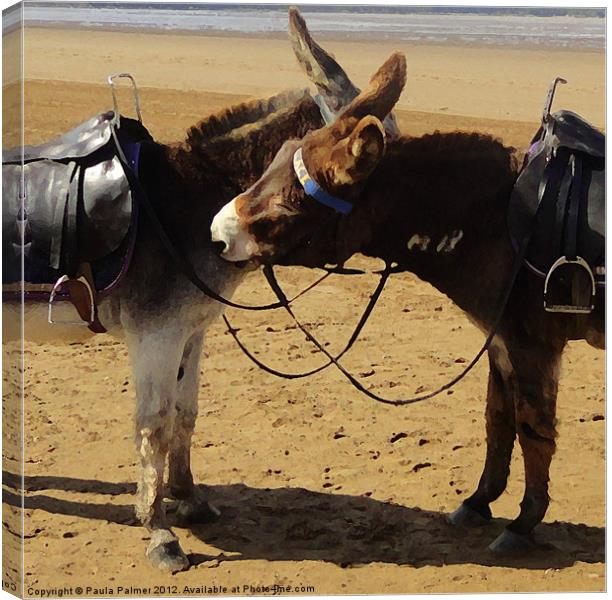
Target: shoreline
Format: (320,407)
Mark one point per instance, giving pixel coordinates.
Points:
(363,37)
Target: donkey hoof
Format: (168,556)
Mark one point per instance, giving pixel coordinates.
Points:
(189,512)
(465,516)
(512,543)
(165,553)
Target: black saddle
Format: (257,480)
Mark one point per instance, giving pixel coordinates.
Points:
(68,207)
(558,202)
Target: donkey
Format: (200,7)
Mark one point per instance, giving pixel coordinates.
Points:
(156,309)
(437,206)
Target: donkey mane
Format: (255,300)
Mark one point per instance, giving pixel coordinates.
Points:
(237,116)
(237,154)
(474,160)
(448,146)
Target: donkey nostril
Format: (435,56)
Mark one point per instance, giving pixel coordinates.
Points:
(219,246)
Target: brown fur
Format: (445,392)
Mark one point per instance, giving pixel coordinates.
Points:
(233,117)
(242,152)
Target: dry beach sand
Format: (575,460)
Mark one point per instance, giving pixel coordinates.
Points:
(318,485)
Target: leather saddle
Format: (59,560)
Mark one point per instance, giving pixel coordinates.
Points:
(558,205)
(69,211)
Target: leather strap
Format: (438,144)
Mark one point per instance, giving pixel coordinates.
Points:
(55,256)
(360,325)
(516,268)
(79,296)
(70,247)
(571,227)
(548,193)
(184,266)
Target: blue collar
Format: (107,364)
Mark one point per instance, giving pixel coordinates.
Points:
(314,190)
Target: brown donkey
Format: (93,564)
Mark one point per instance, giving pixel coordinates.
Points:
(436,206)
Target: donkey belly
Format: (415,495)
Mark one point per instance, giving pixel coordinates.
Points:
(36,325)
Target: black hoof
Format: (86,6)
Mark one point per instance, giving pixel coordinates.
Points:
(512,543)
(465,516)
(187,513)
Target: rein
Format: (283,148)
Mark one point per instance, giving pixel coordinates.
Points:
(271,277)
(182,263)
(384,276)
(187,269)
(274,285)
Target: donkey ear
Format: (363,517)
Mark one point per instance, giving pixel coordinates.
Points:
(367,142)
(336,90)
(332,82)
(355,157)
(383,92)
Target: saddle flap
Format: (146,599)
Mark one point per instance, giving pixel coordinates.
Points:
(77,143)
(106,209)
(568,130)
(75,211)
(46,185)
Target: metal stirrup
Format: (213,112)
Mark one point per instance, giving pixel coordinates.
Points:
(90,293)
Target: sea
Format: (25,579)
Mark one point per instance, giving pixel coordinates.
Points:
(355,23)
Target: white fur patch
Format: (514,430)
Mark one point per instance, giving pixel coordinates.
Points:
(226,227)
(418,241)
(449,242)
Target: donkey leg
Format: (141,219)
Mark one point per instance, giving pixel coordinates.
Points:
(501,434)
(536,375)
(156,364)
(191,505)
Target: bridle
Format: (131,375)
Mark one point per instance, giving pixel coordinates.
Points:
(384,276)
(305,180)
(342,207)
(315,191)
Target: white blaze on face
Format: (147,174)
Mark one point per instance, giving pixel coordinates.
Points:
(227,228)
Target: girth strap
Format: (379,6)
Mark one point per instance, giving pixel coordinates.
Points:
(58,218)
(70,225)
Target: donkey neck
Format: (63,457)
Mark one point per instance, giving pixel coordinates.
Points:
(192,180)
(239,157)
(439,207)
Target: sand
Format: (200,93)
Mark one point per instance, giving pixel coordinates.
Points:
(316,488)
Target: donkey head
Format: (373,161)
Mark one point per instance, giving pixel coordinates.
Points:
(311,183)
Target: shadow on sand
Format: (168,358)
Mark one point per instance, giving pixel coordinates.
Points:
(298,524)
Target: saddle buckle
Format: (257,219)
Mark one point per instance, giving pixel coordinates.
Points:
(570,287)
(90,296)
